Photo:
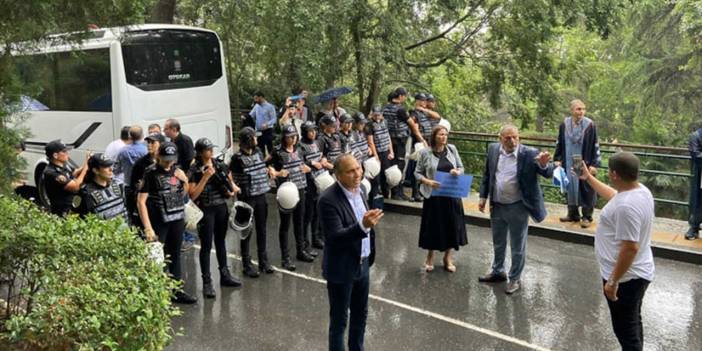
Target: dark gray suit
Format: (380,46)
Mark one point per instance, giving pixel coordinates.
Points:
(513,218)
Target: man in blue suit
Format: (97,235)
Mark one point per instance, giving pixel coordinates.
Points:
(511,183)
(349,251)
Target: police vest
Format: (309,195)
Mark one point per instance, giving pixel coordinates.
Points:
(424,123)
(397,128)
(107,202)
(434,122)
(381,136)
(214,192)
(346,142)
(254,179)
(292,162)
(332,146)
(311,153)
(168,197)
(360,146)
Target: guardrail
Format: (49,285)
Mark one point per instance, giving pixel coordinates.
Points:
(668,154)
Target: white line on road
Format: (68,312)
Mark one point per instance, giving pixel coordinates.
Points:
(454,321)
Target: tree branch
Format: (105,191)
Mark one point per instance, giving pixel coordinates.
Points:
(447,31)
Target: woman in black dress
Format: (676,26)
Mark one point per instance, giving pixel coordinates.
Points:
(442,225)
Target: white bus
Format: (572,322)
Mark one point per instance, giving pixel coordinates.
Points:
(135,75)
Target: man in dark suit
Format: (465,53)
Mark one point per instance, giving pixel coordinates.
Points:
(349,251)
(510,182)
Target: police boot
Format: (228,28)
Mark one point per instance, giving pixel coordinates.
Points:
(207,288)
(249,271)
(226,279)
(263,264)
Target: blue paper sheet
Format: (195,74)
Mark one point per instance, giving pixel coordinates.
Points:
(453,186)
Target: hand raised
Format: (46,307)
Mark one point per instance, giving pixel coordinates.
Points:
(372,217)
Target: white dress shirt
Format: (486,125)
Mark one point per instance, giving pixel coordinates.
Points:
(359,209)
(506,183)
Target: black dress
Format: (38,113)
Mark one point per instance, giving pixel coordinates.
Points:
(442,225)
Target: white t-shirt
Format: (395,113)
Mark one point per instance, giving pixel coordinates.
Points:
(627,216)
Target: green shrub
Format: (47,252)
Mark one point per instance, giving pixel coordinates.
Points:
(78,284)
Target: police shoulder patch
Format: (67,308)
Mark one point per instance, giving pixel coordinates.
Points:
(61,179)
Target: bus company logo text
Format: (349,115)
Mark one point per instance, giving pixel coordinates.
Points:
(182,76)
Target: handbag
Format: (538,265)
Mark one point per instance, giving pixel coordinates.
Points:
(193,215)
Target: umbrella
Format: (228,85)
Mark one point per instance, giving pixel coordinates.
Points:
(332,93)
(30,104)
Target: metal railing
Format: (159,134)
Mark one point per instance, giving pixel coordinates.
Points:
(643,151)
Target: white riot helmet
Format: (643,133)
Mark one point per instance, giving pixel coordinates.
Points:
(287,196)
(323,181)
(418,147)
(366,186)
(444,122)
(241,218)
(393,175)
(371,167)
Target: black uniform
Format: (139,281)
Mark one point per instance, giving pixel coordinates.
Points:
(166,206)
(346,142)
(311,153)
(132,188)
(291,162)
(107,202)
(213,225)
(424,123)
(381,139)
(330,145)
(251,175)
(396,117)
(55,179)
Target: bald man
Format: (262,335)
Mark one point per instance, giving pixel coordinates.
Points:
(511,183)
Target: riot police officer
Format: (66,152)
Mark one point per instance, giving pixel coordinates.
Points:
(345,133)
(379,141)
(161,203)
(251,175)
(397,120)
(318,164)
(134,183)
(330,142)
(287,164)
(210,186)
(100,194)
(61,183)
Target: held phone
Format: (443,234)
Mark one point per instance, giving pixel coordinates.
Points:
(578,164)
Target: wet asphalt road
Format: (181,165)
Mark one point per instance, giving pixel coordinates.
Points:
(560,307)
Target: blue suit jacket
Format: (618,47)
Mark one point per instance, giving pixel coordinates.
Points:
(343,234)
(527,170)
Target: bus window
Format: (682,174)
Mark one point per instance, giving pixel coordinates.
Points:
(67,81)
(171,59)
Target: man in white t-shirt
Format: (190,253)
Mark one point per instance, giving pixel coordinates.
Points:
(113,148)
(623,245)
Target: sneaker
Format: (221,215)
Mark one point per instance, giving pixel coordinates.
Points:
(585,223)
(692,234)
(512,287)
(569,219)
(493,278)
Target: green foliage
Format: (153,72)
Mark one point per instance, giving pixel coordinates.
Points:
(80,284)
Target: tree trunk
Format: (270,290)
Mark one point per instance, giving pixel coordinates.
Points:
(163,11)
(358,53)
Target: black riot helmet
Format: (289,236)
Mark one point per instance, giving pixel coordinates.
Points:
(306,127)
(246,137)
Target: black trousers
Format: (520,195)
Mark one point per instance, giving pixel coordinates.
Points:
(297,216)
(260,209)
(265,141)
(130,203)
(170,234)
(626,314)
(311,223)
(213,227)
(399,148)
(345,297)
(379,183)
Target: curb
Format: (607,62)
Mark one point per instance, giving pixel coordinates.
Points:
(660,251)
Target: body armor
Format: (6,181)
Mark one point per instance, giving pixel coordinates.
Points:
(168,198)
(332,146)
(254,179)
(311,153)
(360,146)
(397,128)
(107,202)
(214,192)
(292,162)
(381,136)
(424,124)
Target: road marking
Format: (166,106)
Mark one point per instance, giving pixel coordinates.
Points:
(454,321)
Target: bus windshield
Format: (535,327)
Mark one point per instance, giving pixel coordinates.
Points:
(171,59)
